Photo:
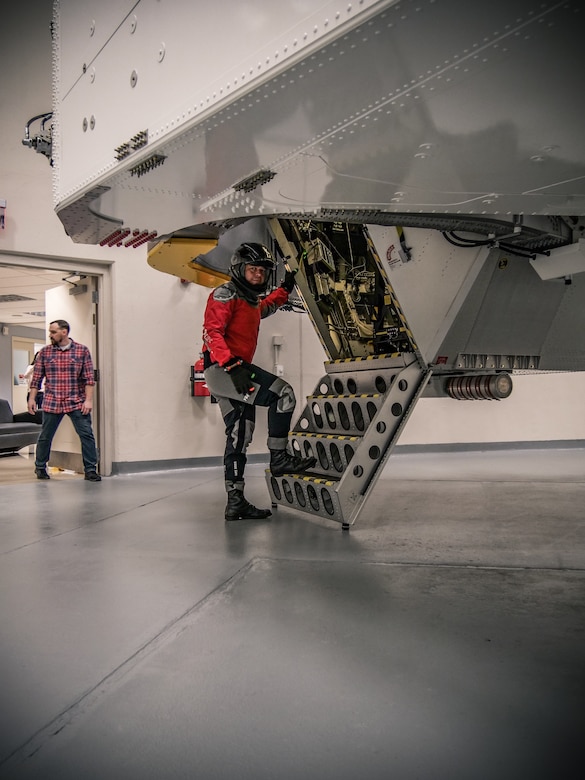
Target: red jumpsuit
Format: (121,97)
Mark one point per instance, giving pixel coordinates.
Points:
(230,329)
(231,323)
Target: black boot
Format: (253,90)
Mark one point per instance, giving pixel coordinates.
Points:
(239,509)
(282,462)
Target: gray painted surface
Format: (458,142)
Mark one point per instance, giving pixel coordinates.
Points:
(137,467)
(442,637)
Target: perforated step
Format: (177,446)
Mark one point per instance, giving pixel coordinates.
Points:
(339,414)
(312,494)
(333,452)
(351,436)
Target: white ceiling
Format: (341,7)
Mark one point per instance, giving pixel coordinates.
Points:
(31,284)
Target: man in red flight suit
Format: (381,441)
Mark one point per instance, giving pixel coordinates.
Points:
(230,335)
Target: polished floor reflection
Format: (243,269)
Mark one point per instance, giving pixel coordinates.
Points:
(20,468)
(441,637)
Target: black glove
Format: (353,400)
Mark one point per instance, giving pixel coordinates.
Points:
(289,281)
(241,374)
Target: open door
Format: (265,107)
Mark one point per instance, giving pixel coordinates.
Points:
(23,352)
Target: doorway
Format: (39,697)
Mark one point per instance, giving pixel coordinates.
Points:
(72,292)
(77,303)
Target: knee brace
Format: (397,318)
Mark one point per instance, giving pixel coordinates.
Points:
(286,396)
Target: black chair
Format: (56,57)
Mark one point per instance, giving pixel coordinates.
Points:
(17,430)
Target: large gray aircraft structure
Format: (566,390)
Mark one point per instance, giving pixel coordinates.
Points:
(420,162)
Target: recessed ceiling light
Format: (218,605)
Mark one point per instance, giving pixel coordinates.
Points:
(11,297)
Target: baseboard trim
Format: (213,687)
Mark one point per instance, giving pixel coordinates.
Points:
(480,446)
(139,467)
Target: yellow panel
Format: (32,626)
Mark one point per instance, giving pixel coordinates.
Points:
(175,256)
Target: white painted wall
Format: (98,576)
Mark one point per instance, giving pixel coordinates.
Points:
(158,336)
(546,407)
(153,328)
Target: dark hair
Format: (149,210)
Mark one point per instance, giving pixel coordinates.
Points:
(63,324)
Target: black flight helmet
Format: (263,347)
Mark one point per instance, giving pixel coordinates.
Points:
(251,254)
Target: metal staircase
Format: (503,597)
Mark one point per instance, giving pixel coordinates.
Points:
(374,375)
(376,370)
(350,424)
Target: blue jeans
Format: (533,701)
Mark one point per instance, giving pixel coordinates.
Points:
(82,425)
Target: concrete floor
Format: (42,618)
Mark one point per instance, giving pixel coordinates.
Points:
(442,637)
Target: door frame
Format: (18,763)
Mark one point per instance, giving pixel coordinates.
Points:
(104,353)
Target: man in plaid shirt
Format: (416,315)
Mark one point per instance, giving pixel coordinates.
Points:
(67,369)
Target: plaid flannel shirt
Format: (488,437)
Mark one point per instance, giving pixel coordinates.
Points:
(66,374)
